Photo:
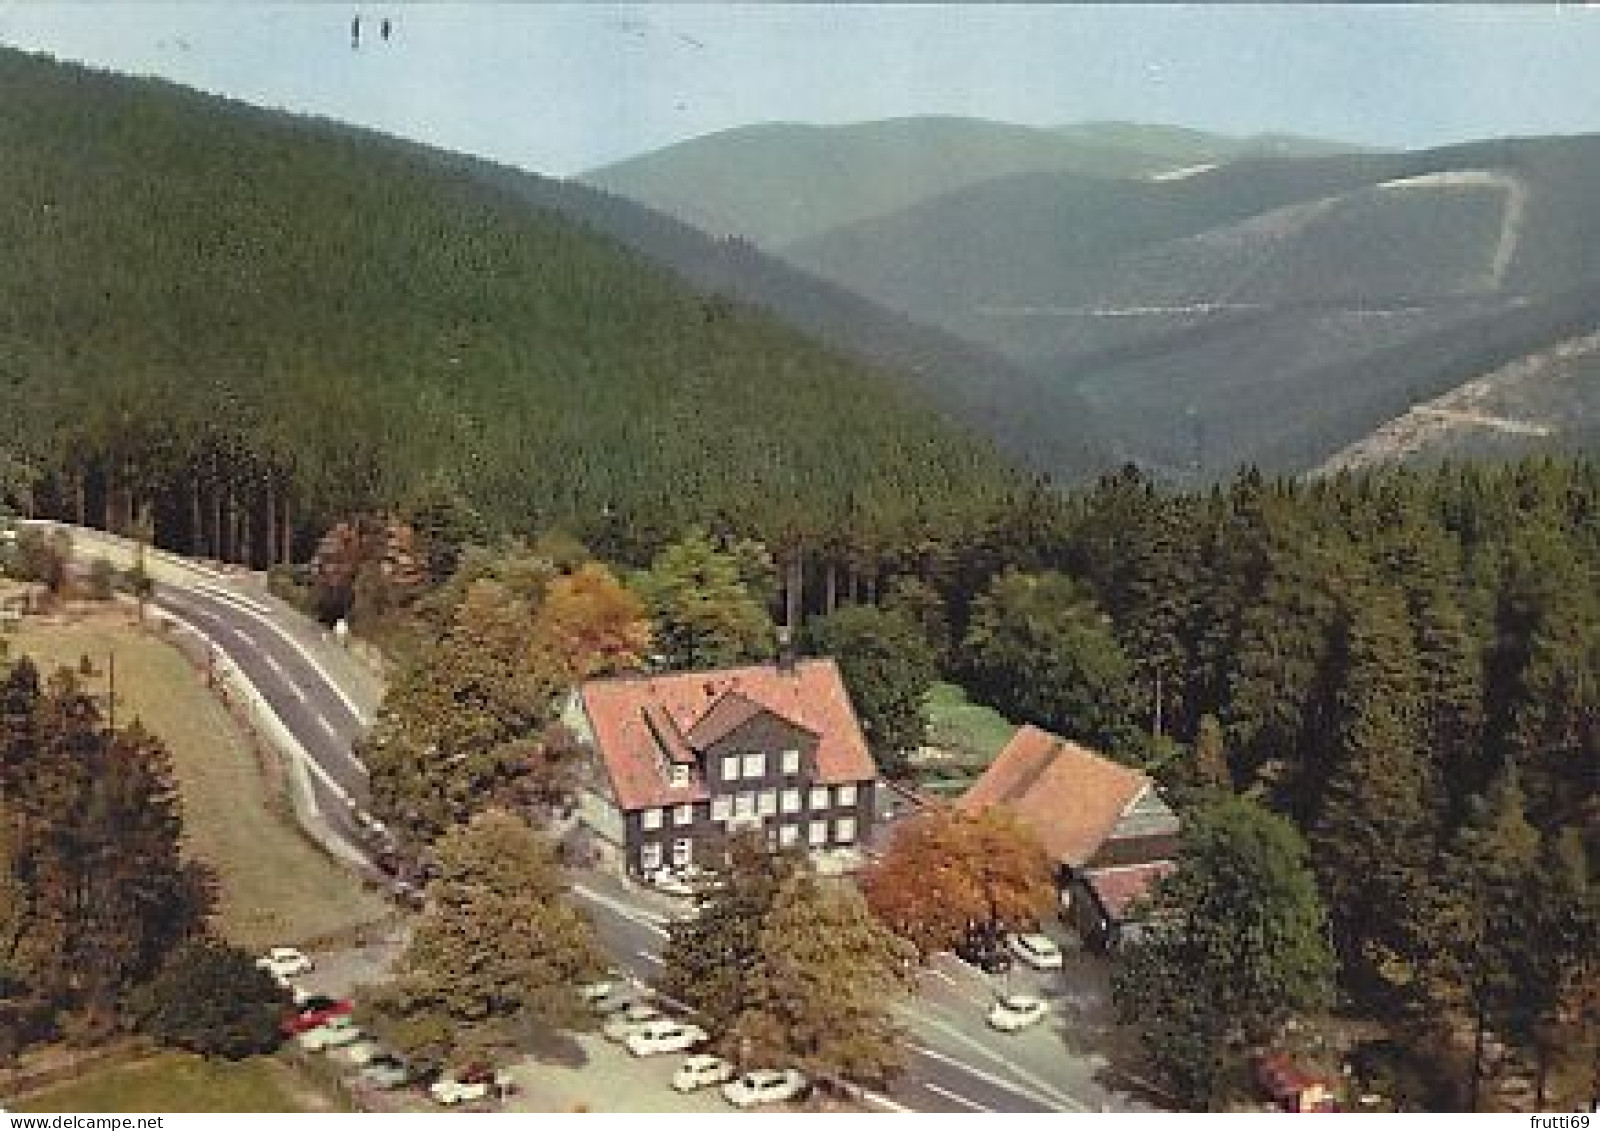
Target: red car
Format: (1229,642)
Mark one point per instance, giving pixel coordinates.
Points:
(315,1011)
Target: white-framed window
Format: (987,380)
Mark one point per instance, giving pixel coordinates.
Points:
(788,836)
(683,815)
(791,761)
(819,798)
(730,767)
(721,807)
(649,857)
(767,802)
(844,830)
(791,801)
(744,805)
(682,852)
(678,776)
(650,819)
(755,765)
(846,796)
(819,833)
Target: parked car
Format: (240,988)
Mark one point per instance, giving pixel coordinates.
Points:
(359,1053)
(596,992)
(765,1086)
(664,1035)
(386,1072)
(1015,1012)
(284,962)
(331,1034)
(313,1010)
(476,1082)
(701,1071)
(626,1020)
(1038,951)
(672,883)
(982,948)
(614,1002)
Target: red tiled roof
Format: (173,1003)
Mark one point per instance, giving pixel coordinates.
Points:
(1119,887)
(669,739)
(811,696)
(1069,796)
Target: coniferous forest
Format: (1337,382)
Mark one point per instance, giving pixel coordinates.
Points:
(229,327)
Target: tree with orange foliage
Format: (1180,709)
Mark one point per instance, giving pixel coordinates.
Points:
(592,624)
(946,870)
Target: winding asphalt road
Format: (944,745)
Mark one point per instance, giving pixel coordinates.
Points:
(955,1063)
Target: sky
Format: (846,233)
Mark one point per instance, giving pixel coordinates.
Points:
(562,88)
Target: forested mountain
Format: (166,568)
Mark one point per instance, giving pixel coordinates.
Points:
(1267,310)
(241,325)
(781,182)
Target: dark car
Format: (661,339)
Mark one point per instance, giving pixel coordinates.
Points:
(985,948)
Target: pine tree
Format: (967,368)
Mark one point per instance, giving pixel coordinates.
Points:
(1376,835)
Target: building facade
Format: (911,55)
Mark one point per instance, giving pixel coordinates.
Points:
(680,760)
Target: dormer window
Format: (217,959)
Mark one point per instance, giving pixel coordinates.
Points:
(678,776)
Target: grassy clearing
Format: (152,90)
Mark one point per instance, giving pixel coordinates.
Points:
(970,731)
(182,1082)
(275,885)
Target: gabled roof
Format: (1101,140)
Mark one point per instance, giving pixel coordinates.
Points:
(1117,888)
(628,713)
(1070,797)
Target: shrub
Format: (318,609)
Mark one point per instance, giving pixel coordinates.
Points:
(211,999)
(99,580)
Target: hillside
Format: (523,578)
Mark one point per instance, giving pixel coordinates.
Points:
(235,320)
(779,183)
(1266,310)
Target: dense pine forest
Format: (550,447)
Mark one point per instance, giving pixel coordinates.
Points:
(228,328)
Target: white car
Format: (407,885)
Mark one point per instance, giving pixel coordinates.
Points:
(701,1071)
(596,992)
(1038,951)
(449,1091)
(664,1035)
(283,963)
(672,883)
(625,1021)
(336,1032)
(765,1086)
(1015,1012)
(360,1053)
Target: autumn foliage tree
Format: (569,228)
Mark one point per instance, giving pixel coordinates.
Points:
(946,870)
(592,624)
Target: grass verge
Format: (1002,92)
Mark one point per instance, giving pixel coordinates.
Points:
(275,885)
(182,1082)
(970,731)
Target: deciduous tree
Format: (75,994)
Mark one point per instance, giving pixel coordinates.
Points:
(496,960)
(946,870)
(1236,943)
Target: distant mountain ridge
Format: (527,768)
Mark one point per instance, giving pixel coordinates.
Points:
(1266,310)
(779,183)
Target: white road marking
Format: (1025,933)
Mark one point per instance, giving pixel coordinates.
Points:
(883,1101)
(250,608)
(653,959)
(322,721)
(989,1078)
(1044,1087)
(956,1097)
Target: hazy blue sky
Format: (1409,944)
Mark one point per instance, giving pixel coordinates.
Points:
(563,87)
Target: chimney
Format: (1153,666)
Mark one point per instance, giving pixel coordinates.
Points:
(785,650)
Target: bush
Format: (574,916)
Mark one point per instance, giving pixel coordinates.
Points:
(211,999)
(42,556)
(99,580)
